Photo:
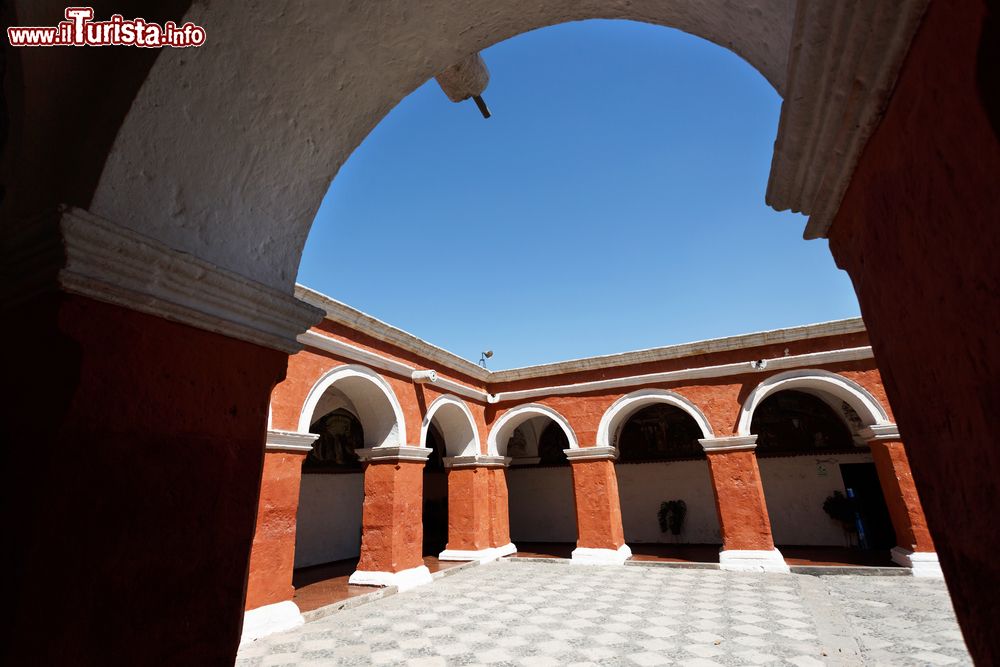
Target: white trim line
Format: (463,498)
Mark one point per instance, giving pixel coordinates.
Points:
(621,410)
(341,313)
(403,580)
(877,432)
(432,409)
(376,360)
(390,454)
(590,556)
(526,412)
(337,373)
(476,461)
(747,560)
(736,443)
(290,441)
(81,253)
(814,380)
(269,619)
(721,370)
(921,563)
(580,454)
(669,352)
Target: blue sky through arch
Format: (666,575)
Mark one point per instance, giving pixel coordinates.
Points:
(614,201)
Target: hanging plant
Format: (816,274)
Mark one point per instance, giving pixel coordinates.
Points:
(671,516)
(841,508)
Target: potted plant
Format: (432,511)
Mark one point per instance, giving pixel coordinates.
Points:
(671,516)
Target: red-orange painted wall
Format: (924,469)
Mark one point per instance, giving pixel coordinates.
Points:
(391,524)
(273,557)
(917,232)
(739,501)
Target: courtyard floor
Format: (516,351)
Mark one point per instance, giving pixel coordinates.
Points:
(551,613)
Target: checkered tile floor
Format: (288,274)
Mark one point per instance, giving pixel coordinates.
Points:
(527,613)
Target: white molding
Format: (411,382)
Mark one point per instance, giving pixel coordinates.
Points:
(82,253)
(445,400)
(669,352)
(341,313)
(581,454)
(621,410)
(746,560)
(842,67)
(269,619)
(721,370)
(476,461)
(921,563)
(391,454)
(590,556)
(354,353)
(338,373)
(736,443)
(814,380)
(521,413)
(403,580)
(879,432)
(290,441)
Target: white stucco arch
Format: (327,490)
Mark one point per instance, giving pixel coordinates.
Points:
(620,411)
(457,425)
(179,167)
(371,398)
(819,383)
(503,429)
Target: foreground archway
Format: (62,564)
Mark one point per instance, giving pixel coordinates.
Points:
(927,177)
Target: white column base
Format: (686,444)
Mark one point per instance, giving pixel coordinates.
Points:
(588,556)
(403,580)
(921,563)
(506,550)
(269,619)
(482,555)
(747,560)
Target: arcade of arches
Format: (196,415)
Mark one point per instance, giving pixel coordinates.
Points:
(155,206)
(384,449)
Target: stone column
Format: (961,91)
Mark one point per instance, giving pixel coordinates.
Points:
(470,507)
(269,606)
(392,529)
(600,536)
(915,548)
(500,511)
(747,544)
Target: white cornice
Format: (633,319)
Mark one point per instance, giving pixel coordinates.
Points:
(81,253)
(343,314)
(877,432)
(375,360)
(390,454)
(721,370)
(736,443)
(290,441)
(710,346)
(476,461)
(843,63)
(579,454)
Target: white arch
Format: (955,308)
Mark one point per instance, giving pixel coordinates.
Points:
(374,401)
(458,426)
(819,383)
(618,414)
(504,428)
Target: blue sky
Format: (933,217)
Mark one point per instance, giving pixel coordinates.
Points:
(614,201)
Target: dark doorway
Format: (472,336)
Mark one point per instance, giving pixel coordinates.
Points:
(435,510)
(862,480)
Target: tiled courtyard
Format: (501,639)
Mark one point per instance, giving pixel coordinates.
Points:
(531,613)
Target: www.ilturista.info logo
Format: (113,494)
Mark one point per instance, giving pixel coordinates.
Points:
(79,29)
